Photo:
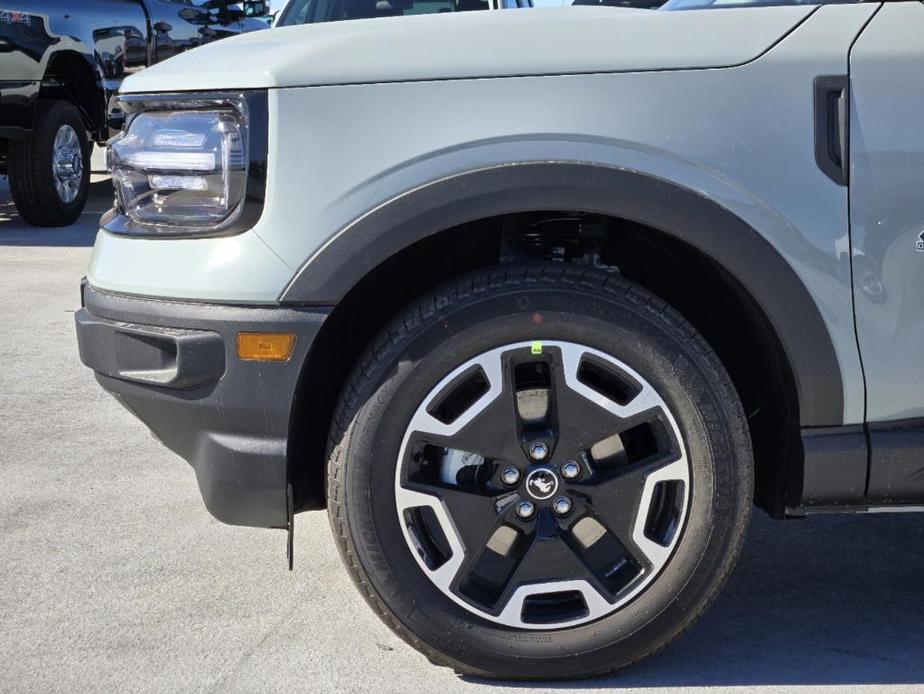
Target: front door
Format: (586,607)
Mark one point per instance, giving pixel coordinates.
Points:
(887,234)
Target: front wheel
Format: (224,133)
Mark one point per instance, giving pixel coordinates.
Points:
(50,169)
(540,472)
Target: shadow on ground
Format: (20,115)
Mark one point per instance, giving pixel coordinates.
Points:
(15,232)
(825,601)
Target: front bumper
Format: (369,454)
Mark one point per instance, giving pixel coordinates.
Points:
(175,366)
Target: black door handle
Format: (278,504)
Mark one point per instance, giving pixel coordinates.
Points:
(832,144)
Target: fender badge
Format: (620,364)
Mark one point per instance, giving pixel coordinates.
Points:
(15,17)
(919,244)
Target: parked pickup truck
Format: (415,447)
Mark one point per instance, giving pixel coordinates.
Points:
(61,64)
(538,304)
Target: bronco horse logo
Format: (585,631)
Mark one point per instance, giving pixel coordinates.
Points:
(541,484)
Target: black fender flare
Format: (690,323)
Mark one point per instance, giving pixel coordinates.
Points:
(363,244)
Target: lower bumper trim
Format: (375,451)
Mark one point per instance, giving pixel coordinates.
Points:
(174,366)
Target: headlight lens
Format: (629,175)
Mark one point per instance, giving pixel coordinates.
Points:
(182,171)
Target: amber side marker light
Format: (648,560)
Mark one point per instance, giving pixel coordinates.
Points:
(265,346)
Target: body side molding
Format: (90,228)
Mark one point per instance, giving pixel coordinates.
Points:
(874,468)
(896,463)
(362,245)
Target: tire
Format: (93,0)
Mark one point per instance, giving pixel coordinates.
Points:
(33,180)
(508,316)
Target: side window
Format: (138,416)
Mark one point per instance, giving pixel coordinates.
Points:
(429,7)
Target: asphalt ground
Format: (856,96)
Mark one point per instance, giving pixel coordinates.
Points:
(113,577)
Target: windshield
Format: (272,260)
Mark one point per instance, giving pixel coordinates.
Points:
(312,11)
(716,4)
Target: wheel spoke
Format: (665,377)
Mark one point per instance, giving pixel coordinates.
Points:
(581,422)
(548,563)
(487,434)
(587,416)
(549,558)
(484,427)
(474,514)
(622,498)
(481,530)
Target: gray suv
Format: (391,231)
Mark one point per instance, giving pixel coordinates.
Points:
(538,332)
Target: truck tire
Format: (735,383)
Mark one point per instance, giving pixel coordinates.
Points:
(49,171)
(539,472)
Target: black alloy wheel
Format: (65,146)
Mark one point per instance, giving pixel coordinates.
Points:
(542,484)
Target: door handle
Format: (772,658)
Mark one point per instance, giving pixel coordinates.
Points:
(832,127)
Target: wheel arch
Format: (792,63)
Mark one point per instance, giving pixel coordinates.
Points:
(755,279)
(71,76)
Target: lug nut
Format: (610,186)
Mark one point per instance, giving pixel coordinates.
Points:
(538,450)
(510,476)
(525,509)
(562,506)
(570,470)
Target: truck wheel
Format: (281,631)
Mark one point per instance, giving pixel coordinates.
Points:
(50,170)
(539,472)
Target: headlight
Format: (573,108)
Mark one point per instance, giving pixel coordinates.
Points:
(187,165)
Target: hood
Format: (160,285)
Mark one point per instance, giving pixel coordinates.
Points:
(502,43)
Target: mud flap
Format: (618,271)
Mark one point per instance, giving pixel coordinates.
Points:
(290,526)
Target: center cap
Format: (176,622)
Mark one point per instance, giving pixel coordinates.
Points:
(541,484)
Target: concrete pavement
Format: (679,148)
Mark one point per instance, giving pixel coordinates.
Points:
(113,577)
